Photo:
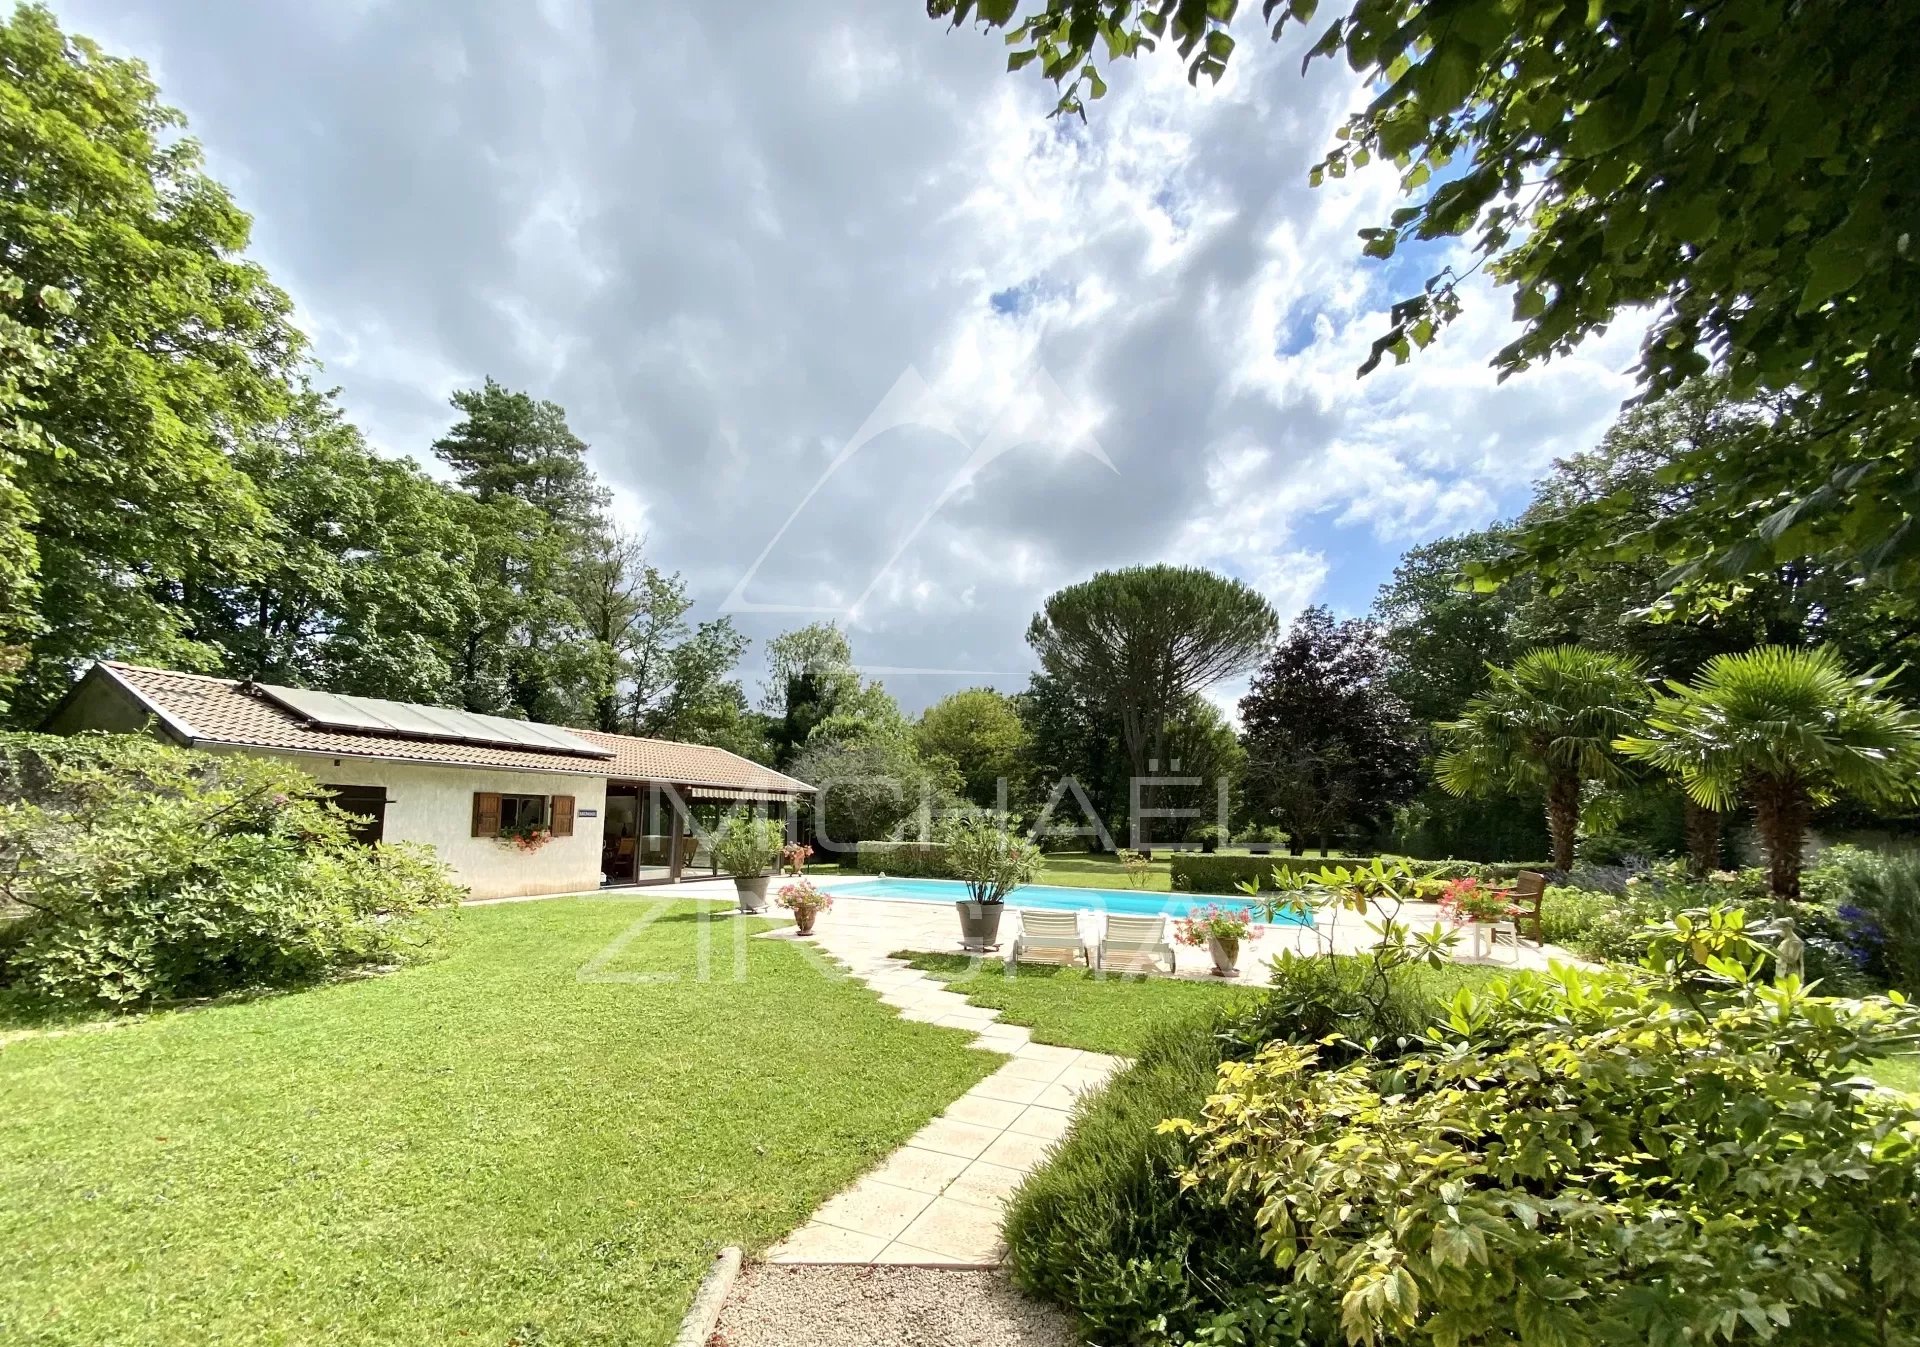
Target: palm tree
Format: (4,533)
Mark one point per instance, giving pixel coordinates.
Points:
(1549,724)
(1783,730)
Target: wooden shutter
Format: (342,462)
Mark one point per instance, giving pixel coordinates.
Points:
(562,816)
(486,813)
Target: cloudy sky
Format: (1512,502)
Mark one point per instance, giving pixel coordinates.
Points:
(854,329)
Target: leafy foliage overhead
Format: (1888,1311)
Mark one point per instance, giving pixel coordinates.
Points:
(1747,172)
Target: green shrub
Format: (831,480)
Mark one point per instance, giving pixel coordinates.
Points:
(1104,1228)
(149,873)
(908,860)
(1568,914)
(1582,1158)
(1880,916)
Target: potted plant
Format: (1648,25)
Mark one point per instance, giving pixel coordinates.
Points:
(748,847)
(794,857)
(805,902)
(1466,902)
(1222,930)
(992,860)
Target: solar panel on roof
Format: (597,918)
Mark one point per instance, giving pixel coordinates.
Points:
(408,720)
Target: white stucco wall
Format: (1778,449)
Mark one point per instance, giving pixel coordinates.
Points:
(431,804)
(435,805)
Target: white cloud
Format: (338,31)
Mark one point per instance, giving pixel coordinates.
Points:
(717,234)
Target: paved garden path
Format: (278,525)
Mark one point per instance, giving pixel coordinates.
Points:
(938,1199)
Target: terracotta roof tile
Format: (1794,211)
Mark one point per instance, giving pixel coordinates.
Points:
(222,711)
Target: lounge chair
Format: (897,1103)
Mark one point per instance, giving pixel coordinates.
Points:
(1050,931)
(1134,938)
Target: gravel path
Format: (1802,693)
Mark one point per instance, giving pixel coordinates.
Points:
(869,1306)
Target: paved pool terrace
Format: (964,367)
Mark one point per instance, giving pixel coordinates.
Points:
(866,920)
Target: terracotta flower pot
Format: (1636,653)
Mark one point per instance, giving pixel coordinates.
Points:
(1226,956)
(803,918)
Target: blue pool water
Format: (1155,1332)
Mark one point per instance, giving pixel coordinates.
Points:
(1132,902)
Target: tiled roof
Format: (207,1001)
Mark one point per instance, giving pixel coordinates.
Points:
(209,710)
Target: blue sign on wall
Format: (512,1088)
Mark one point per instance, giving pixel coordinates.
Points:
(589,813)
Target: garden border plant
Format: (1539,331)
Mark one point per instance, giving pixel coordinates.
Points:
(140,873)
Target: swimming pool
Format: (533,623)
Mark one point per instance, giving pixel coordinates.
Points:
(1060,898)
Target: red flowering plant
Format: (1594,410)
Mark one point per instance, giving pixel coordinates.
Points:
(1228,925)
(1465,902)
(529,836)
(794,857)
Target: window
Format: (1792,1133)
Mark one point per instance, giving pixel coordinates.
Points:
(368,805)
(496,814)
(522,811)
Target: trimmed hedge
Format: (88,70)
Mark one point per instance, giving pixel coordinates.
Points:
(1197,872)
(908,860)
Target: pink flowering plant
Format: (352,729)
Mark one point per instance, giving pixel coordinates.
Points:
(1228,925)
(794,857)
(1465,901)
(802,899)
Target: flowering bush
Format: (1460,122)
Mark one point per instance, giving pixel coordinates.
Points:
(1229,925)
(1139,869)
(1465,901)
(525,836)
(794,857)
(802,899)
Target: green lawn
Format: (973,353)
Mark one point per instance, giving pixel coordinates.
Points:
(1081,870)
(486,1149)
(1072,1008)
(1898,1073)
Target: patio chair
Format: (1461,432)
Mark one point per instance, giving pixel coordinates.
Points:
(1529,889)
(1134,938)
(1058,931)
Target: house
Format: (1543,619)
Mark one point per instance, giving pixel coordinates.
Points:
(619,809)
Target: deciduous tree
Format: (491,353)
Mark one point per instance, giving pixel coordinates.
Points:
(980,732)
(163,345)
(1328,743)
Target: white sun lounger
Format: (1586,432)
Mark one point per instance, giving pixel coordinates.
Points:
(1135,938)
(1050,931)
